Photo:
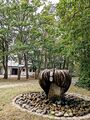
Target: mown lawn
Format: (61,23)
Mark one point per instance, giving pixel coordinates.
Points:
(10,112)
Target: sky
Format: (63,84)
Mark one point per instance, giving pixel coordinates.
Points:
(54,1)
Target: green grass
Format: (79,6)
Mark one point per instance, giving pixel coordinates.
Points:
(10,112)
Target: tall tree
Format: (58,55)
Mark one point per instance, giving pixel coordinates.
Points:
(5,34)
(24,16)
(75,27)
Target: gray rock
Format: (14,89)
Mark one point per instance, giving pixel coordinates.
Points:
(38,99)
(54,105)
(44,111)
(39,111)
(52,112)
(66,106)
(39,103)
(70,114)
(26,106)
(46,101)
(66,115)
(34,109)
(47,108)
(59,114)
(23,105)
(58,102)
(63,108)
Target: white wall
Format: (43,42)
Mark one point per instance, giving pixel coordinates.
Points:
(23,73)
(9,70)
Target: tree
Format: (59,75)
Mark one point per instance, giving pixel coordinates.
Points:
(24,16)
(75,27)
(5,34)
(48,35)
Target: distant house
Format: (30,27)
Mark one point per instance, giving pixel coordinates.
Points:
(13,69)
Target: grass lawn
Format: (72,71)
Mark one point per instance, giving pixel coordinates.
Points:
(10,112)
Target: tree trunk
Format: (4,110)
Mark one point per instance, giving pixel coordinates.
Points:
(26,65)
(6,68)
(60,65)
(67,63)
(39,65)
(45,64)
(36,76)
(5,59)
(64,63)
(54,62)
(19,68)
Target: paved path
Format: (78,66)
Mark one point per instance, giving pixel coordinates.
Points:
(14,85)
(11,84)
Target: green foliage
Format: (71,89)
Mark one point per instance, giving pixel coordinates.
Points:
(50,40)
(75,27)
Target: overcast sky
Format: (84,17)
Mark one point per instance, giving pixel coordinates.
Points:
(54,1)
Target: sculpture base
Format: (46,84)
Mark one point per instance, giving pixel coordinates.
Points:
(73,106)
(55,92)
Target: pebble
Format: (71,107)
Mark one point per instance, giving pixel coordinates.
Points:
(59,114)
(69,107)
(44,111)
(38,111)
(23,105)
(58,102)
(38,99)
(66,106)
(71,114)
(26,106)
(54,105)
(52,112)
(46,101)
(34,109)
(48,108)
(66,115)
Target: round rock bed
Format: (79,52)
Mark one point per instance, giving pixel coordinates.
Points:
(72,106)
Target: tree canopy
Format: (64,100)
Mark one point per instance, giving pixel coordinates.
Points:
(75,27)
(56,37)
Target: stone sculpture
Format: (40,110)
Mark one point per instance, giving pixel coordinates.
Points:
(55,82)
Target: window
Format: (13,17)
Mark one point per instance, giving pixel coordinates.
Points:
(23,70)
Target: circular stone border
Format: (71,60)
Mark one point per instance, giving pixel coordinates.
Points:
(85,117)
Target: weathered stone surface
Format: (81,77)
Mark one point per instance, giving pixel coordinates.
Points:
(54,91)
(55,82)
